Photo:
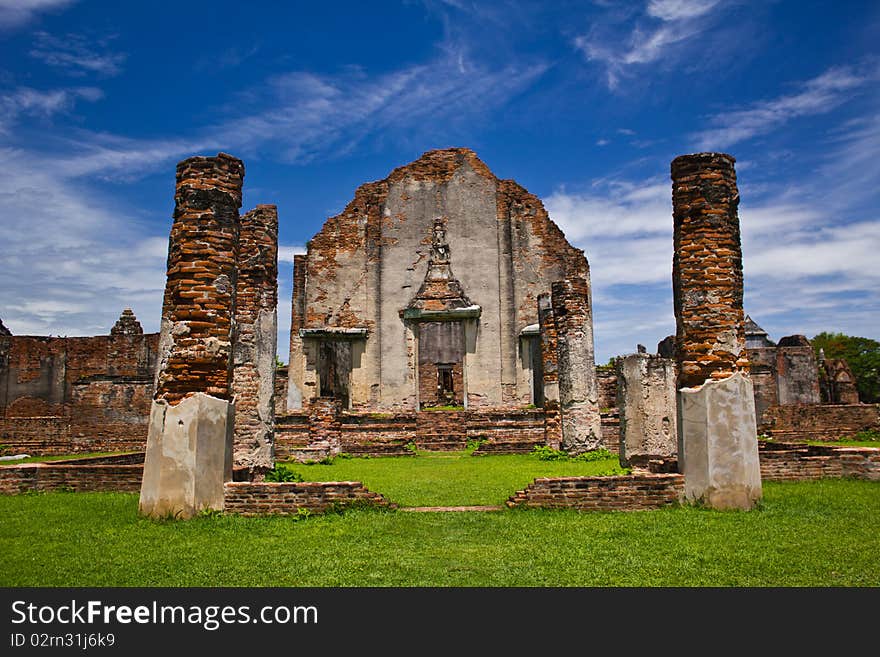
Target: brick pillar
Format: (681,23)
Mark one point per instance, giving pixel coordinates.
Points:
(296,366)
(199,304)
(707,274)
(718,447)
(189,446)
(578,390)
(549,360)
(256,318)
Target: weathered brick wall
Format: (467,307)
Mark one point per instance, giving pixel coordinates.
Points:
(796,371)
(837,382)
(578,393)
(281,391)
(507,432)
(66,395)
(296,368)
(793,462)
(291,433)
(550,370)
(197,313)
(253,499)
(505,251)
(633,492)
(606,381)
(256,330)
(306,436)
(429,389)
(74,477)
(377,434)
(762,371)
(707,268)
(819,421)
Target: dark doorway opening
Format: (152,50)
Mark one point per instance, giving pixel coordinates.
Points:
(334,369)
(445,383)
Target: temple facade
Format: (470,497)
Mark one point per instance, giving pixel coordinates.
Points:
(424,292)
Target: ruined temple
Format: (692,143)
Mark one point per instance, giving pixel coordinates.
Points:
(423,292)
(77,394)
(782,373)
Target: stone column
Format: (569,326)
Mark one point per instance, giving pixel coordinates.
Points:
(296,367)
(189,445)
(256,318)
(549,361)
(646,399)
(718,450)
(578,390)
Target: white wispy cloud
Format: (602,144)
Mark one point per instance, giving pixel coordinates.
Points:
(675,10)
(85,256)
(15,13)
(806,269)
(286,253)
(299,116)
(313,115)
(77,54)
(816,96)
(75,260)
(41,103)
(657,29)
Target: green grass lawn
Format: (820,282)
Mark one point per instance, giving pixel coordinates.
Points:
(818,534)
(845,443)
(59,457)
(450,479)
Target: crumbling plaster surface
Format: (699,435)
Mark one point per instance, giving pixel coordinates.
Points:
(366,264)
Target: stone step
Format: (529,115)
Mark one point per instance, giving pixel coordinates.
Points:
(508,447)
(442,446)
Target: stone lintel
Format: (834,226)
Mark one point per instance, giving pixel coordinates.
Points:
(333,332)
(417,314)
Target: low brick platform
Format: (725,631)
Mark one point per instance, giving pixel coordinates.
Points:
(798,462)
(71,476)
(287,498)
(819,421)
(633,492)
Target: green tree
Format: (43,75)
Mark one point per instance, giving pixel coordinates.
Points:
(863,356)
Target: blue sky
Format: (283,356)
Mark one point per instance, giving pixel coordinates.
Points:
(583,103)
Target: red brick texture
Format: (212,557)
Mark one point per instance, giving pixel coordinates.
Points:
(318,432)
(707,268)
(27,477)
(633,492)
(819,421)
(253,370)
(199,303)
(794,462)
(253,499)
(64,395)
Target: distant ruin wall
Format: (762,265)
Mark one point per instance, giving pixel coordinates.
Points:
(76,394)
(29,477)
(793,462)
(819,421)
